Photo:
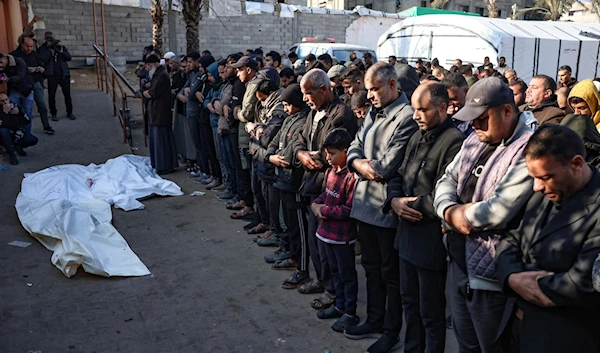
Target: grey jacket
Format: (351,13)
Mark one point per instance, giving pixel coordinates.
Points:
(512,193)
(384,140)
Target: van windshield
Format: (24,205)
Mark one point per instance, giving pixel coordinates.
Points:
(344,54)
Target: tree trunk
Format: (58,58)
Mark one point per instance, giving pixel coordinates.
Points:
(157,11)
(192,16)
(492,7)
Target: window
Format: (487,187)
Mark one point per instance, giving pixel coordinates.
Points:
(479,10)
(424,3)
(464,8)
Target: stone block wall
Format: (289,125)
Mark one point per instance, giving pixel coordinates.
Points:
(129,29)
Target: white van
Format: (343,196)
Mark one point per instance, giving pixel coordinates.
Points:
(340,51)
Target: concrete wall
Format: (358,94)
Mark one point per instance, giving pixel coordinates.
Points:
(129,29)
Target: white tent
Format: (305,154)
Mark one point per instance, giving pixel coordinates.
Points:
(530,47)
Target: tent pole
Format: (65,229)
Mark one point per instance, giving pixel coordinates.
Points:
(430,46)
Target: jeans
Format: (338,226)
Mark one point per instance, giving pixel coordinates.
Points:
(476,320)
(25,103)
(201,156)
(318,253)
(219,155)
(424,304)
(343,271)
(259,197)
(231,153)
(382,268)
(40,101)
(65,85)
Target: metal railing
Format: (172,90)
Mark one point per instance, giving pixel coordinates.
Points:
(112,80)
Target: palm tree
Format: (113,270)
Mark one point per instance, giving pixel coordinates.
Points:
(492,7)
(192,15)
(438,4)
(553,9)
(158,12)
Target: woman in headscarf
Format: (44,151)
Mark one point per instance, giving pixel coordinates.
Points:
(585,99)
(163,153)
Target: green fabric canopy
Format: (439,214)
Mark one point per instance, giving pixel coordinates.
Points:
(420,11)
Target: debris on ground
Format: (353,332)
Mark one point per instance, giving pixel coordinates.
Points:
(20,244)
(198,193)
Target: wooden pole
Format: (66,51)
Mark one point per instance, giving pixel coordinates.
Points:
(104,44)
(114,95)
(96,65)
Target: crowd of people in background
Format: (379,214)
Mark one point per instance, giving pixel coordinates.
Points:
(24,73)
(425,173)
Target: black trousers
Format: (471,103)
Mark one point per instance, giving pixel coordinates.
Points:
(382,267)
(208,146)
(343,270)
(273,200)
(259,198)
(424,303)
(294,215)
(318,252)
(65,85)
(242,176)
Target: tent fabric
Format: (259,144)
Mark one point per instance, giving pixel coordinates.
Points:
(421,11)
(530,47)
(67,208)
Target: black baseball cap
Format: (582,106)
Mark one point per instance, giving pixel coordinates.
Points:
(485,93)
(245,61)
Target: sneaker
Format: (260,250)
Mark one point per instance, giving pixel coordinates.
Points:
(235,199)
(54,118)
(277,256)
(71,117)
(221,187)
(387,343)
(13,159)
(270,241)
(225,196)
(49,130)
(366,330)
(202,181)
(215,182)
(330,313)
(207,181)
(198,174)
(20,151)
(344,322)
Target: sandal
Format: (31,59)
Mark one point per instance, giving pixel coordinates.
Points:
(296,279)
(313,287)
(322,302)
(243,213)
(265,235)
(261,228)
(283,265)
(236,206)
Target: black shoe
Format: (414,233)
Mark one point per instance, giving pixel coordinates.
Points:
(330,313)
(20,151)
(54,118)
(71,117)
(344,322)
(49,130)
(13,159)
(366,330)
(387,343)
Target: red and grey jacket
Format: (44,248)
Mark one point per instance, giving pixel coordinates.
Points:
(338,191)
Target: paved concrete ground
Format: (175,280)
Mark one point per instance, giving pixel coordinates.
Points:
(210,290)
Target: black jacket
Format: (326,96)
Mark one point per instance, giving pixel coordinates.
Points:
(55,62)
(338,115)
(19,78)
(288,179)
(13,122)
(425,160)
(566,245)
(31,60)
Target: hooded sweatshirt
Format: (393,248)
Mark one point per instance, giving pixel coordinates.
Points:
(584,127)
(216,88)
(587,91)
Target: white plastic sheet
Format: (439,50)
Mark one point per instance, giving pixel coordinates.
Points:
(67,208)
(225,8)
